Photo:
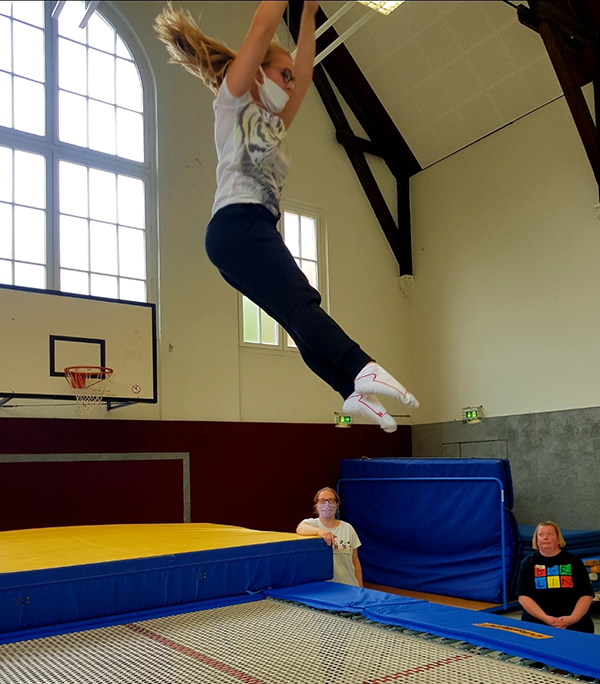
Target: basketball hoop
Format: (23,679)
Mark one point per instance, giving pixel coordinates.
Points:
(88,383)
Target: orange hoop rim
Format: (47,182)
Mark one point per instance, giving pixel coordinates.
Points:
(78,376)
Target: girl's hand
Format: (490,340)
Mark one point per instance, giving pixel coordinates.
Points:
(310,6)
(329,537)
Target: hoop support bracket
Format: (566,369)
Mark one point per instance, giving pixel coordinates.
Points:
(111,406)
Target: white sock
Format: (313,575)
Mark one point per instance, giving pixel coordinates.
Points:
(369,407)
(373,379)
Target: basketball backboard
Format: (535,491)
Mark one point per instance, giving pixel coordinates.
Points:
(43,332)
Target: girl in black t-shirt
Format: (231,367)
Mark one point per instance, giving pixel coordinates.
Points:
(553,586)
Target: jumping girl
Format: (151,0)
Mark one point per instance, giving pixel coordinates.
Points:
(258,92)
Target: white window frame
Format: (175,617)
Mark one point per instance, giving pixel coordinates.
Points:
(283,347)
(54,151)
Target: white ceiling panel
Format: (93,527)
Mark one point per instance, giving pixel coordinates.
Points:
(449,73)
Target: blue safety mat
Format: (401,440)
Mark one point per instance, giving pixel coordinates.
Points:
(432,467)
(434,525)
(36,599)
(572,651)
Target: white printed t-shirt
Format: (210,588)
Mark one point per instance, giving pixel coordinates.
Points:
(252,150)
(346,540)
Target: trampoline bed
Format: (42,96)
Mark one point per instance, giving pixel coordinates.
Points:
(263,642)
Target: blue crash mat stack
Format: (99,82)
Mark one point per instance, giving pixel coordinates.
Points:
(441,526)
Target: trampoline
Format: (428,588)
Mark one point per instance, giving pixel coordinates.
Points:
(263,642)
(212,603)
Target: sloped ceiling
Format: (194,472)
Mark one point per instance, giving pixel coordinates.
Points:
(450,73)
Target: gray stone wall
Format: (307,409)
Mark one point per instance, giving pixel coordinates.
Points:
(554,459)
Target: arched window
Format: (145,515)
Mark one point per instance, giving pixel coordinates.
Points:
(77,171)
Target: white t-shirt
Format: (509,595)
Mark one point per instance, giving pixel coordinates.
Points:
(253,153)
(346,540)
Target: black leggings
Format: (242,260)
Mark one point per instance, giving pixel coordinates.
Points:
(242,241)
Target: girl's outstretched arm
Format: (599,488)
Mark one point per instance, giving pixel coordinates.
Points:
(303,62)
(242,71)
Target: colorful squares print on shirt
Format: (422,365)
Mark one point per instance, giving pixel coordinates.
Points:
(553,577)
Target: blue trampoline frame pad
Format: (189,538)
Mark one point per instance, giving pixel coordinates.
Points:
(572,651)
(74,575)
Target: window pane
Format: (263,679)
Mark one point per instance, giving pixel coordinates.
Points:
(30,235)
(102,127)
(30,109)
(130,135)
(69,20)
(100,34)
(73,187)
(6,161)
(28,51)
(5,44)
(72,61)
(5,7)
(74,281)
(103,196)
(31,12)
(104,286)
(30,179)
(72,121)
(129,88)
(74,246)
(250,321)
(122,49)
(268,329)
(131,201)
(133,290)
(5,99)
(28,275)
(132,254)
(103,248)
(6,231)
(6,272)
(291,232)
(308,229)
(101,76)
(309,268)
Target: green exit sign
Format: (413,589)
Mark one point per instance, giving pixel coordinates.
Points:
(472,414)
(343,421)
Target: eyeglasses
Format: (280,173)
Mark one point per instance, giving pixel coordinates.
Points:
(287,77)
(331,501)
(286,74)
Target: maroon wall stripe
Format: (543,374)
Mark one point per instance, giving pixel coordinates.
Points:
(257,475)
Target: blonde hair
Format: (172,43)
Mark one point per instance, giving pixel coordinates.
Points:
(548,523)
(202,56)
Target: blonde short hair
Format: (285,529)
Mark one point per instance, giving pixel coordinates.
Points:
(548,523)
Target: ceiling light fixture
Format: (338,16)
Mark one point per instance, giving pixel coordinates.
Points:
(383,7)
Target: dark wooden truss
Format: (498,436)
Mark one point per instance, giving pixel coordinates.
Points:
(384,140)
(570,31)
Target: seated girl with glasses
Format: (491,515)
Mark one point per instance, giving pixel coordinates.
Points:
(338,534)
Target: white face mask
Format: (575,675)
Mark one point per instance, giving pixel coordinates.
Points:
(272,96)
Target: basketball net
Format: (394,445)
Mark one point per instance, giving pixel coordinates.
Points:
(88,384)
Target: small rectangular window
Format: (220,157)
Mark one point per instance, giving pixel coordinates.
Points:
(301,233)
